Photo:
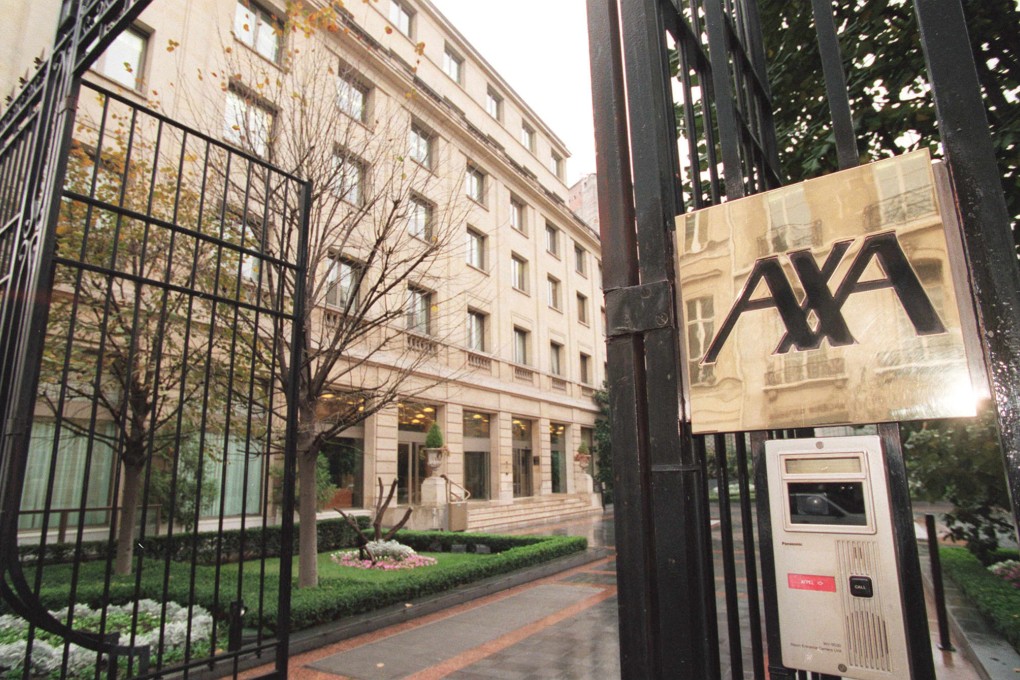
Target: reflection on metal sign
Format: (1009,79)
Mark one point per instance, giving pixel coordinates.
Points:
(827,302)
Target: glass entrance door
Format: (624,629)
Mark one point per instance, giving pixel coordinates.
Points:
(522,473)
(410,472)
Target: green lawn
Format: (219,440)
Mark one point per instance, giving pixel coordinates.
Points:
(342,591)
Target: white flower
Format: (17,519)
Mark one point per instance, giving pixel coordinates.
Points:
(45,659)
(392,549)
(12,622)
(80,660)
(12,655)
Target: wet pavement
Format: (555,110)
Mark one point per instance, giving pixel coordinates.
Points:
(561,626)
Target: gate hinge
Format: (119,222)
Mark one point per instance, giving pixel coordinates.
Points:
(638,309)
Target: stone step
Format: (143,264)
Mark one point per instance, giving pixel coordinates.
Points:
(528,511)
(527,508)
(498,524)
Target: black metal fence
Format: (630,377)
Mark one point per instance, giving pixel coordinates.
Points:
(683,120)
(149,274)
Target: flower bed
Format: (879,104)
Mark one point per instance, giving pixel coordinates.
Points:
(1007,570)
(48,649)
(388,555)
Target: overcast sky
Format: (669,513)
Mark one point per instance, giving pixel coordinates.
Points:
(540,47)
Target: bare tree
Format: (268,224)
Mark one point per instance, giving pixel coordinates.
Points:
(385,213)
(130,355)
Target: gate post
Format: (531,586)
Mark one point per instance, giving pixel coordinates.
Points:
(667,595)
(991,252)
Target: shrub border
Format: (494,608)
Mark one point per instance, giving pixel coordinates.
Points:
(310,607)
(333,535)
(998,601)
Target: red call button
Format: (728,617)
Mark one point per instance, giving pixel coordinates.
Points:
(825,584)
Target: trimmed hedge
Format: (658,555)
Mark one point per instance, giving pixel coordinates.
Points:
(996,599)
(338,598)
(433,541)
(210,546)
(335,598)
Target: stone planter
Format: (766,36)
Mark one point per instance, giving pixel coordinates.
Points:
(433,460)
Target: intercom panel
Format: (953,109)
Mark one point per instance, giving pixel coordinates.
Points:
(838,594)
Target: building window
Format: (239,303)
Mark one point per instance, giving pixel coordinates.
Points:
(494,104)
(555,355)
(582,309)
(553,292)
(475,331)
(124,60)
(258,29)
(419,311)
(528,137)
(521,346)
(349,181)
(475,249)
(421,145)
(352,98)
(453,64)
(790,222)
(247,124)
(400,16)
(342,282)
(517,216)
(552,239)
(584,369)
(556,165)
(580,260)
(419,219)
(700,329)
(519,273)
(474,184)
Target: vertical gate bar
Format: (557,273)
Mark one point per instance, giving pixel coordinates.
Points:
(685,627)
(991,252)
(836,94)
(729,558)
(776,670)
(625,353)
(722,93)
(908,561)
(767,132)
(750,564)
(908,564)
(297,338)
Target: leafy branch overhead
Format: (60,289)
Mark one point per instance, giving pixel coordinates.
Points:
(887,83)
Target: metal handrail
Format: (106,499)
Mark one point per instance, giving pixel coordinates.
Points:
(449,496)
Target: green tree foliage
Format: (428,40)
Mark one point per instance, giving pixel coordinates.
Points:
(886,79)
(604,445)
(434,438)
(324,486)
(959,461)
(181,493)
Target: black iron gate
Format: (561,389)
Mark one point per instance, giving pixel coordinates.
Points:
(149,274)
(682,121)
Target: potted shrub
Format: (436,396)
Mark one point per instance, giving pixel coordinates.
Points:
(583,455)
(434,449)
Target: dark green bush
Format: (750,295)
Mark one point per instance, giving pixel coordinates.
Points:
(996,599)
(211,547)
